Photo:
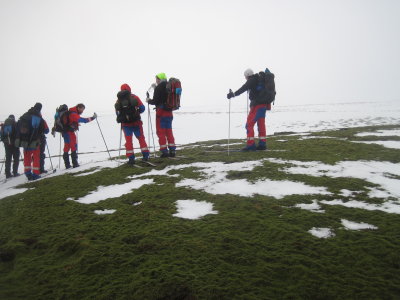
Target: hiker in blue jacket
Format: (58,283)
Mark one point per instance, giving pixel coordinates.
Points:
(8,134)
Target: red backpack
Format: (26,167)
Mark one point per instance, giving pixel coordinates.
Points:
(174,91)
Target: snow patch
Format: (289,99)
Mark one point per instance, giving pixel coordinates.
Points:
(386,144)
(192,209)
(389,132)
(314,207)
(350,225)
(322,233)
(388,207)
(105,211)
(113,191)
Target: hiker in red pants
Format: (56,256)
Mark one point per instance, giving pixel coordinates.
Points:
(128,109)
(30,127)
(70,143)
(260,97)
(164,117)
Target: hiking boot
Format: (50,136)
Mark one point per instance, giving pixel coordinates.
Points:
(28,175)
(146,156)
(43,171)
(66,160)
(16,174)
(131,160)
(249,148)
(262,146)
(172,153)
(74,158)
(164,154)
(35,176)
(8,175)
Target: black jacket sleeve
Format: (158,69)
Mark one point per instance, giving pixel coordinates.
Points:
(251,83)
(160,94)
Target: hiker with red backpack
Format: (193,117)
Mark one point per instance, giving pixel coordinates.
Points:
(128,108)
(70,143)
(8,134)
(166,98)
(30,127)
(261,89)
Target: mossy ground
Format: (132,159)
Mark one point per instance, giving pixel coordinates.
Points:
(254,248)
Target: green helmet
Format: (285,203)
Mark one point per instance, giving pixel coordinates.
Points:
(161,76)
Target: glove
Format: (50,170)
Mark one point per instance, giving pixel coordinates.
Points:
(147,95)
(94,116)
(230,94)
(53,132)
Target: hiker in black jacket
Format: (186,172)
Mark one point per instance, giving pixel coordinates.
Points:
(164,117)
(8,133)
(256,114)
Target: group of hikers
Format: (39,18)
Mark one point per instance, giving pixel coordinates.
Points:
(29,132)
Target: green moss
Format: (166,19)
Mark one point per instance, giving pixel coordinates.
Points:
(255,248)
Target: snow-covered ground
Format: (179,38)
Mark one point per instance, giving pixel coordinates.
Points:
(199,124)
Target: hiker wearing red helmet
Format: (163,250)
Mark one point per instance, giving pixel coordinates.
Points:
(128,108)
(164,117)
(70,142)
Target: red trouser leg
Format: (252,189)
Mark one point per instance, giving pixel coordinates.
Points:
(36,161)
(170,138)
(262,132)
(251,121)
(70,141)
(161,132)
(28,160)
(128,132)
(32,157)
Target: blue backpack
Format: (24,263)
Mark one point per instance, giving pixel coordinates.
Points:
(8,131)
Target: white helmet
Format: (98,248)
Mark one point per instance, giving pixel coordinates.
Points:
(248,73)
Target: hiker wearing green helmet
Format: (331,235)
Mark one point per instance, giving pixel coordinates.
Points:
(164,116)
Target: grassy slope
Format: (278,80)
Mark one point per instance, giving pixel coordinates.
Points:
(255,248)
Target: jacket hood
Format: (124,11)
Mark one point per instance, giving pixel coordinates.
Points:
(125,87)
(74,109)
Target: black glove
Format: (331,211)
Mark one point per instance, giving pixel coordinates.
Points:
(147,95)
(230,95)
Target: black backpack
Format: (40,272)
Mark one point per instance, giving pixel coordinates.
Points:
(61,119)
(266,87)
(29,129)
(126,108)
(8,131)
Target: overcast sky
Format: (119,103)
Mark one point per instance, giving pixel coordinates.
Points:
(82,50)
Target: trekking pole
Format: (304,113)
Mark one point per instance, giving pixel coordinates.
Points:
(4,161)
(229,126)
(120,138)
(103,139)
(150,123)
(59,153)
(152,135)
(48,151)
(247,106)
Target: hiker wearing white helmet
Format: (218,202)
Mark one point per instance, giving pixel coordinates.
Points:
(257,111)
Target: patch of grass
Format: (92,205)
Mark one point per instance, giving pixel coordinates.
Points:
(254,248)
